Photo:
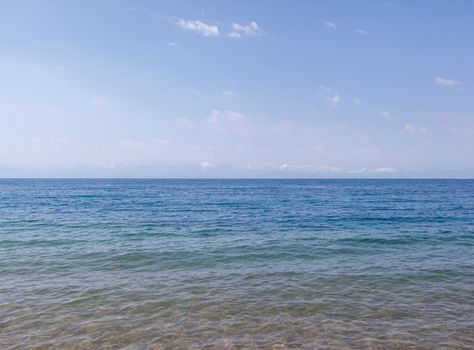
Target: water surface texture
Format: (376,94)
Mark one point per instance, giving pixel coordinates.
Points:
(245,264)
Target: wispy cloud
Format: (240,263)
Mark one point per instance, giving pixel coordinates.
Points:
(310,168)
(447,82)
(382,170)
(361,31)
(292,168)
(330,95)
(330,25)
(414,129)
(228,93)
(206,165)
(386,114)
(241,30)
(357,171)
(385,170)
(172,44)
(225,117)
(198,27)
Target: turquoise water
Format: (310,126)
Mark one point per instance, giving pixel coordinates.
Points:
(246,264)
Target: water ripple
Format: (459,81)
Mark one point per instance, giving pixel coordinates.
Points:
(236,264)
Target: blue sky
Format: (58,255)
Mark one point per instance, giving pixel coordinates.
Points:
(236,89)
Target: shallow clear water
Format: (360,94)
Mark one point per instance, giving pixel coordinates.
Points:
(204,264)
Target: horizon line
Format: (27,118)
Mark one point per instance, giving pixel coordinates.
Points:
(236,178)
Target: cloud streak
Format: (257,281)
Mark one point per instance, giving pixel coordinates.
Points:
(199,27)
(225,117)
(330,95)
(385,170)
(228,93)
(241,30)
(447,82)
(330,25)
(414,129)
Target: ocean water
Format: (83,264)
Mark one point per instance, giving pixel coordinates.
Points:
(236,264)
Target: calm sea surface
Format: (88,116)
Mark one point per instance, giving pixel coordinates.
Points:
(247,264)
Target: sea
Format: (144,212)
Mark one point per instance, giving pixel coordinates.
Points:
(236,264)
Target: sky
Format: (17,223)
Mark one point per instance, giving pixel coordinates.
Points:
(264,88)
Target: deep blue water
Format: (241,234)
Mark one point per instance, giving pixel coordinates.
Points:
(273,264)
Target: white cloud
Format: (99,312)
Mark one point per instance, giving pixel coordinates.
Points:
(228,93)
(199,27)
(414,129)
(330,25)
(240,30)
(162,16)
(207,165)
(331,95)
(310,168)
(357,171)
(386,114)
(225,117)
(334,101)
(356,101)
(361,31)
(172,44)
(338,126)
(262,166)
(385,170)
(447,82)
